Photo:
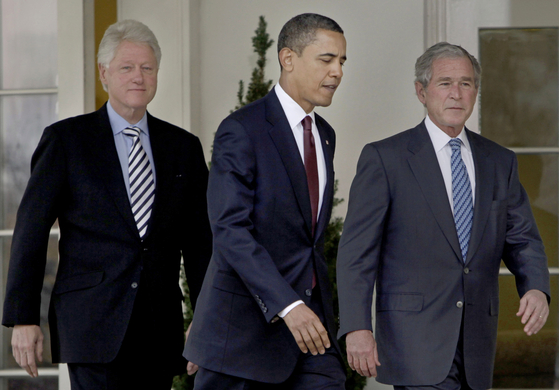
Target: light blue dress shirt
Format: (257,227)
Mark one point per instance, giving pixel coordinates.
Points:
(123,143)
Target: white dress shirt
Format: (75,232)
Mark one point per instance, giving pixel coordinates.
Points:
(295,114)
(443,150)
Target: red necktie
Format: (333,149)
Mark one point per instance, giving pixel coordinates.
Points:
(311,167)
(312,174)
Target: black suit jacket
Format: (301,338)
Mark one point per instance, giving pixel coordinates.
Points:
(400,233)
(77,178)
(264,251)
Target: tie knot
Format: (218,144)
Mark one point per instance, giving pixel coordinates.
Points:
(132,131)
(307,123)
(455,143)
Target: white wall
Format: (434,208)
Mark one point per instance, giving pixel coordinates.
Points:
(168,19)
(376,98)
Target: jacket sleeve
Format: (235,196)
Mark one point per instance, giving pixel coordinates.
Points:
(360,245)
(231,194)
(523,252)
(36,215)
(197,248)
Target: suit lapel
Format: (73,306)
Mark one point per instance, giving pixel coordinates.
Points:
(285,143)
(485,178)
(105,156)
(425,166)
(327,149)
(163,170)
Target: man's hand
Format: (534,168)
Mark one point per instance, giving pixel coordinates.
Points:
(307,329)
(191,368)
(27,344)
(534,311)
(362,354)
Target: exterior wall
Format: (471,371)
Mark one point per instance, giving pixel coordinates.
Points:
(207,49)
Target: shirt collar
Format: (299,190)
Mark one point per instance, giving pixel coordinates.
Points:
(118,123)
(440,139)
(293,111)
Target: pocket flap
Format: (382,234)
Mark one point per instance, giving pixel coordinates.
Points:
(401,302)
(78,282)
(230,283)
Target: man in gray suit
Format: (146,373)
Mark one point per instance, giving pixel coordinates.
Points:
(432,211)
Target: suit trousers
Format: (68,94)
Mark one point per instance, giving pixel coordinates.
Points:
(138,364)
(320,372)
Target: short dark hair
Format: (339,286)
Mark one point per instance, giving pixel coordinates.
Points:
(424,64)
(300,31)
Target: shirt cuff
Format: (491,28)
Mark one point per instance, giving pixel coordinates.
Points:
(284,312)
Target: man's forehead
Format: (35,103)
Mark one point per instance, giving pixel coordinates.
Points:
(452,68)
(327,39)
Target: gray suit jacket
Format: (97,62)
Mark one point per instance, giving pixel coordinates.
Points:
(400,234)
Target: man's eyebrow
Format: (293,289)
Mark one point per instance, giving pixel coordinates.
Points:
(332,55)
(467,78)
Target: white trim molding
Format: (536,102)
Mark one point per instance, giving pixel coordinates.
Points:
(435,19)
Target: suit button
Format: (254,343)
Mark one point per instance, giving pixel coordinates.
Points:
(265,309)
(466,270)
(145,249)
(459,304)
(308,292)
(134,285)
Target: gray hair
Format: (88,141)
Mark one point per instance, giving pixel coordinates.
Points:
(126,30)
(300,31)
(424,64)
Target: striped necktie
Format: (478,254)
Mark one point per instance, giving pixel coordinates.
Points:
(142,186)
(461,196)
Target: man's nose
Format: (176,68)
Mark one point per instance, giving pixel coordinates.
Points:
(137,75)
(455,91)
(336,70)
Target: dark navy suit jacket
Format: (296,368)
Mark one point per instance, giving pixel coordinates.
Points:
(77,178)
(400,233)
(264,250)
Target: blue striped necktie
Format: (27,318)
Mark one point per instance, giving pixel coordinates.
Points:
(461,196)
(142,186)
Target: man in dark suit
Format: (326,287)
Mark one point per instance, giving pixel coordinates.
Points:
(265,313)
(116,308)
(432,211)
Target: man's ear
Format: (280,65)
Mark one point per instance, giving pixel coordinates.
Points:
(420,91)
(102,71)
(286,59)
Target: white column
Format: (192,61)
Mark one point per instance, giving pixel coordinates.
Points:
(75,47)
(63,377)
(435,19)
(170,22)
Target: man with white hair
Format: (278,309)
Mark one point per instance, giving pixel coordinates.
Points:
(128,191)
